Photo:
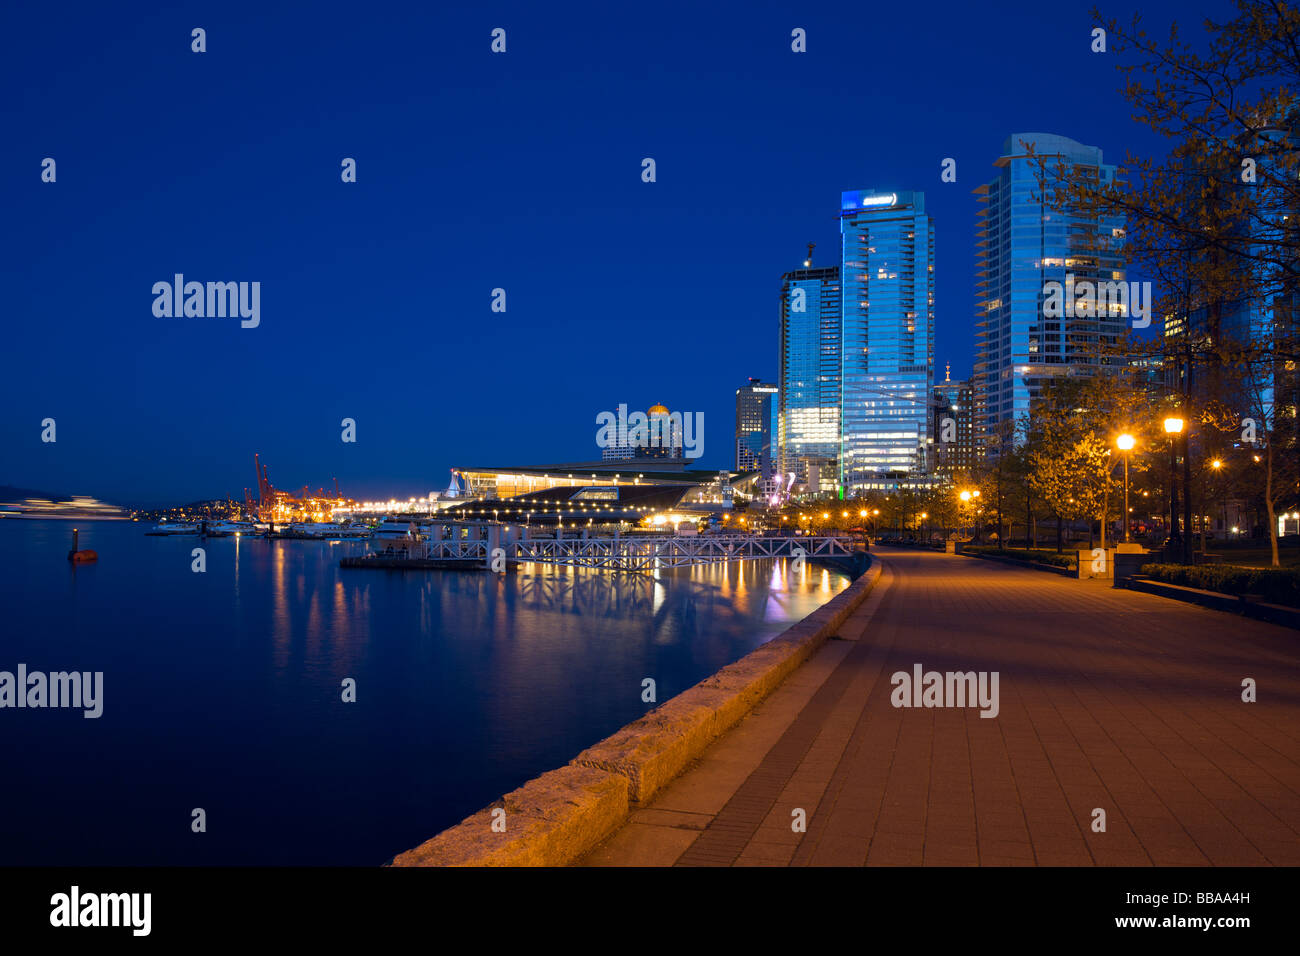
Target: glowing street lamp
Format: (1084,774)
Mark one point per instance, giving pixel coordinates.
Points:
(967,497)
(1217,465)
(1125,443)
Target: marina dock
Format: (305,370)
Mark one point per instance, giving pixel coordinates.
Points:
(475,545)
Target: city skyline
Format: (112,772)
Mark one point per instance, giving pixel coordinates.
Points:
(569,436)
(356,277)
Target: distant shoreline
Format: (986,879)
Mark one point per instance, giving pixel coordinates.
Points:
(41,516)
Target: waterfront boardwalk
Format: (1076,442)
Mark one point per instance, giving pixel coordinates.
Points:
(1109,699)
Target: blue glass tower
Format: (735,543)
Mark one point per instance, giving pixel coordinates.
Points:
(808,418)
(1023,243)
(887,339)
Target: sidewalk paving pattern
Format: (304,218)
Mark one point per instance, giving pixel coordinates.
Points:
(1109,699)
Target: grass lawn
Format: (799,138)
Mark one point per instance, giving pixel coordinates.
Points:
(1253,557)
(1256,557)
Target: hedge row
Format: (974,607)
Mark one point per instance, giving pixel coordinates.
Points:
(1034,556)
(1274,585)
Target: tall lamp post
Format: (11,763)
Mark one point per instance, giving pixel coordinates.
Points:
(1217,464)
(1125,443)
(1173,428)
(968,498)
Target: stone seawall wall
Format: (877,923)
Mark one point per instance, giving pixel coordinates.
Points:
(561,815)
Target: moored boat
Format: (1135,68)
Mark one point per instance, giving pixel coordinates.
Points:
(324,530)
(174,527)
(224,529)
(396,535)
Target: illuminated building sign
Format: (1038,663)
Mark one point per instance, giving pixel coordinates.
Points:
(873,201)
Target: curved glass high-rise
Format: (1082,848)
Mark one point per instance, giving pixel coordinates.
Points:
(887,359)
(1024,242)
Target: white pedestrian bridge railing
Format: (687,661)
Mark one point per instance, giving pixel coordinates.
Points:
(426,550)
(622,553)
(647,553)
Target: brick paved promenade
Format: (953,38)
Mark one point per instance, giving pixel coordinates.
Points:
(1111,699)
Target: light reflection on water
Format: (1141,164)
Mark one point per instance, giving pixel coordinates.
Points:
(222,689)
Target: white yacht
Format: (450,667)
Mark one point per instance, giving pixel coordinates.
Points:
(325,529)
(174,527)
(224,529)
(396,534)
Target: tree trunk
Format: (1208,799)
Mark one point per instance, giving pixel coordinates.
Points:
(1060,543)
(1201,517)
(1268,504)
(1105,514)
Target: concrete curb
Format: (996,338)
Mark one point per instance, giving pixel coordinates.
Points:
(1217,601)
(558,817)
(1036,565)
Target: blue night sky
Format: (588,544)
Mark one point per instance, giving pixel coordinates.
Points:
(475,171)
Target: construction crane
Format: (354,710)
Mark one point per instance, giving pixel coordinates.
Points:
(263,481)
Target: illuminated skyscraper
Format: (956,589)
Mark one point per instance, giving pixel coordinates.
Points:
(954,428)
(1023,243)
(887,351)
(757,408)
(808,419)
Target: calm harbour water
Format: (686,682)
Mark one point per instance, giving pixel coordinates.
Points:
(222,690)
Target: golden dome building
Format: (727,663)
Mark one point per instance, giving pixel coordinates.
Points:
(665,438)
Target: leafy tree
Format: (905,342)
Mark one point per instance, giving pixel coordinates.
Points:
(1071,472)
(1213,223)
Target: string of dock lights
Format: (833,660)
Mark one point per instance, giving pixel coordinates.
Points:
(558,509)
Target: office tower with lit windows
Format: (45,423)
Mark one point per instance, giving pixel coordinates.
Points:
(887,351)
(954,428)
(808,400)
(1024,242)
(1259,314)
(756,413)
